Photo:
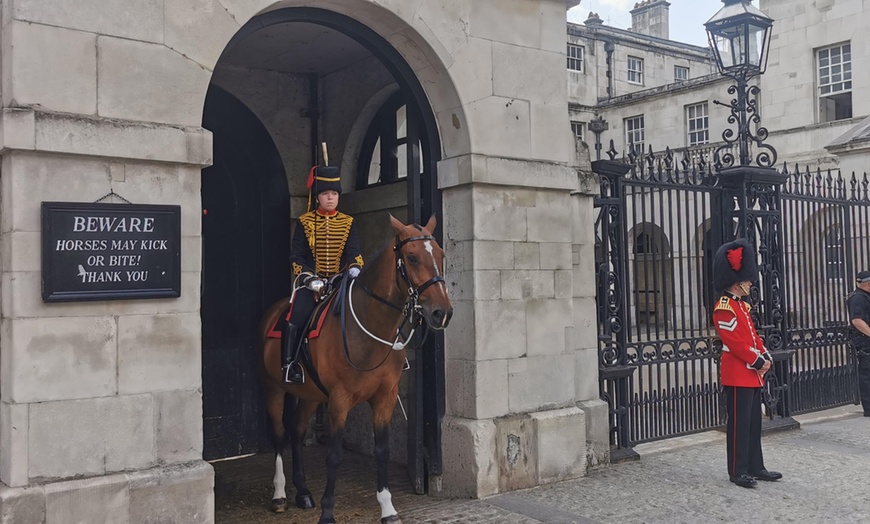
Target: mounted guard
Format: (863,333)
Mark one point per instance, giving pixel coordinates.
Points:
(357,354)
(325,244)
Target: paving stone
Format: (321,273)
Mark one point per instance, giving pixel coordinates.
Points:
(825,464)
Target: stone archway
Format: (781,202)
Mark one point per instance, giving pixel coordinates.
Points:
(202,33)
(423,198)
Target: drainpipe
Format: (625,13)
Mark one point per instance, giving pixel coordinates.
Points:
(608,48)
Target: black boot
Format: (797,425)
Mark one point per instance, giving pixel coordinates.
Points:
(291,371)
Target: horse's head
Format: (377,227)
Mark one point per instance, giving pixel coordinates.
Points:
(422,258)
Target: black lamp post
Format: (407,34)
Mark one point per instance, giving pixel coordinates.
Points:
(740,35)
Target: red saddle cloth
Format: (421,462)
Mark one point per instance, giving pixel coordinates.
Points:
(315,323)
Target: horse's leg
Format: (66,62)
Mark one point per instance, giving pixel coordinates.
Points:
(382,413)
(337,417)
(304,410)
(275,408)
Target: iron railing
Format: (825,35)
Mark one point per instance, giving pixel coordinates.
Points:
(828,241)
(656,235)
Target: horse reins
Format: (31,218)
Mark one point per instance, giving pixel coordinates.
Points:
(410,310)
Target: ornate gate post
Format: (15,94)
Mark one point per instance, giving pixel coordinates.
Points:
(614,373)
(753,195)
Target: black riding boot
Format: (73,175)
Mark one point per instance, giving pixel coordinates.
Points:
(290,369)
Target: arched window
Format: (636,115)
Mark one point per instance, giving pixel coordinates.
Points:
(644,245)
(834,259)
(384,153)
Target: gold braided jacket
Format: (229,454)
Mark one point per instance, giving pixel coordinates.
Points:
(327,237)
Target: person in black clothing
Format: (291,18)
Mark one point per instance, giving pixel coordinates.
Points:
(858,303)
(326,242)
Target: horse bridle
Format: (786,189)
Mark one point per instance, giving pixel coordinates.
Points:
(413,292)
(409,311)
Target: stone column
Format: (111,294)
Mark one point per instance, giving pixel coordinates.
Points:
(510,208)
(100,402)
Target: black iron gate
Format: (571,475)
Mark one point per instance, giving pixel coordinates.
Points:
(660,221)
(658,368)
(827,245)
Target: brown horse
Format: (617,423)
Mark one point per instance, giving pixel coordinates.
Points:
(358,357)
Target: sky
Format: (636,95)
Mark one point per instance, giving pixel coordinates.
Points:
(686,24)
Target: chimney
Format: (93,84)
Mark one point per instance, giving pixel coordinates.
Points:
(650,17)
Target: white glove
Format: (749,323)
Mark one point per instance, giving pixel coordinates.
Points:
(353,272)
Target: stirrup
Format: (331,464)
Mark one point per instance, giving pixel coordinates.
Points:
(301,373)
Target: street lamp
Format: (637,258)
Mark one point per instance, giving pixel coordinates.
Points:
(740,36)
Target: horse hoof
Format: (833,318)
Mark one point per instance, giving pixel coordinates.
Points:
(392,519)
(279,505)
(326,521)
(304,502)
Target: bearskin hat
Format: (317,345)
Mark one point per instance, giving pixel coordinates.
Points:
(734,262)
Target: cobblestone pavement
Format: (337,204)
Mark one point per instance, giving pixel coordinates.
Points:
(826,464)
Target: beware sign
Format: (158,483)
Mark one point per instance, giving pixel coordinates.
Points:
(110,251)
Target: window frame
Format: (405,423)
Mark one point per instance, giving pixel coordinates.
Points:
(834,86)
(573,59)
(638,72)
(636,130)
(383,130)
(576,126)
(681,68)
(837,263)
(705,118)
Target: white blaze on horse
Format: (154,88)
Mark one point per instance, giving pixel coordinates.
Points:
(357,358)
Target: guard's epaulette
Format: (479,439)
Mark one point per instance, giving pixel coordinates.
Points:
(724,304)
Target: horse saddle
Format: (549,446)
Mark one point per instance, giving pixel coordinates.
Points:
(314,324)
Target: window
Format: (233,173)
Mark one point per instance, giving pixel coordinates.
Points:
(834,263)
(681,73)
(634,133)
(644,245)
(575,57)
(697,124)
(577,128)
(635,70)
(835,82)
(384,154)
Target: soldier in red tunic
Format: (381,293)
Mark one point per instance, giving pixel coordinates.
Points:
(744,362)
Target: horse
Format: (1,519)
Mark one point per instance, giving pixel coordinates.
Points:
(358,358)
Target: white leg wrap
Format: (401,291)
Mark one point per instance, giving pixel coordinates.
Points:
(386,502)
(279,481)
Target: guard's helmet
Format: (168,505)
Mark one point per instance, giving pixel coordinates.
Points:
(324,178)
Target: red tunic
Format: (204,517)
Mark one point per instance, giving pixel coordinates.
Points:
(741,346)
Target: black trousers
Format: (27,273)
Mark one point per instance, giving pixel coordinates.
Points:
(744,430)
(864,381)
(303,305)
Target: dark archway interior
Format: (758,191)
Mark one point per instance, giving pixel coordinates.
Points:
(244,247)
